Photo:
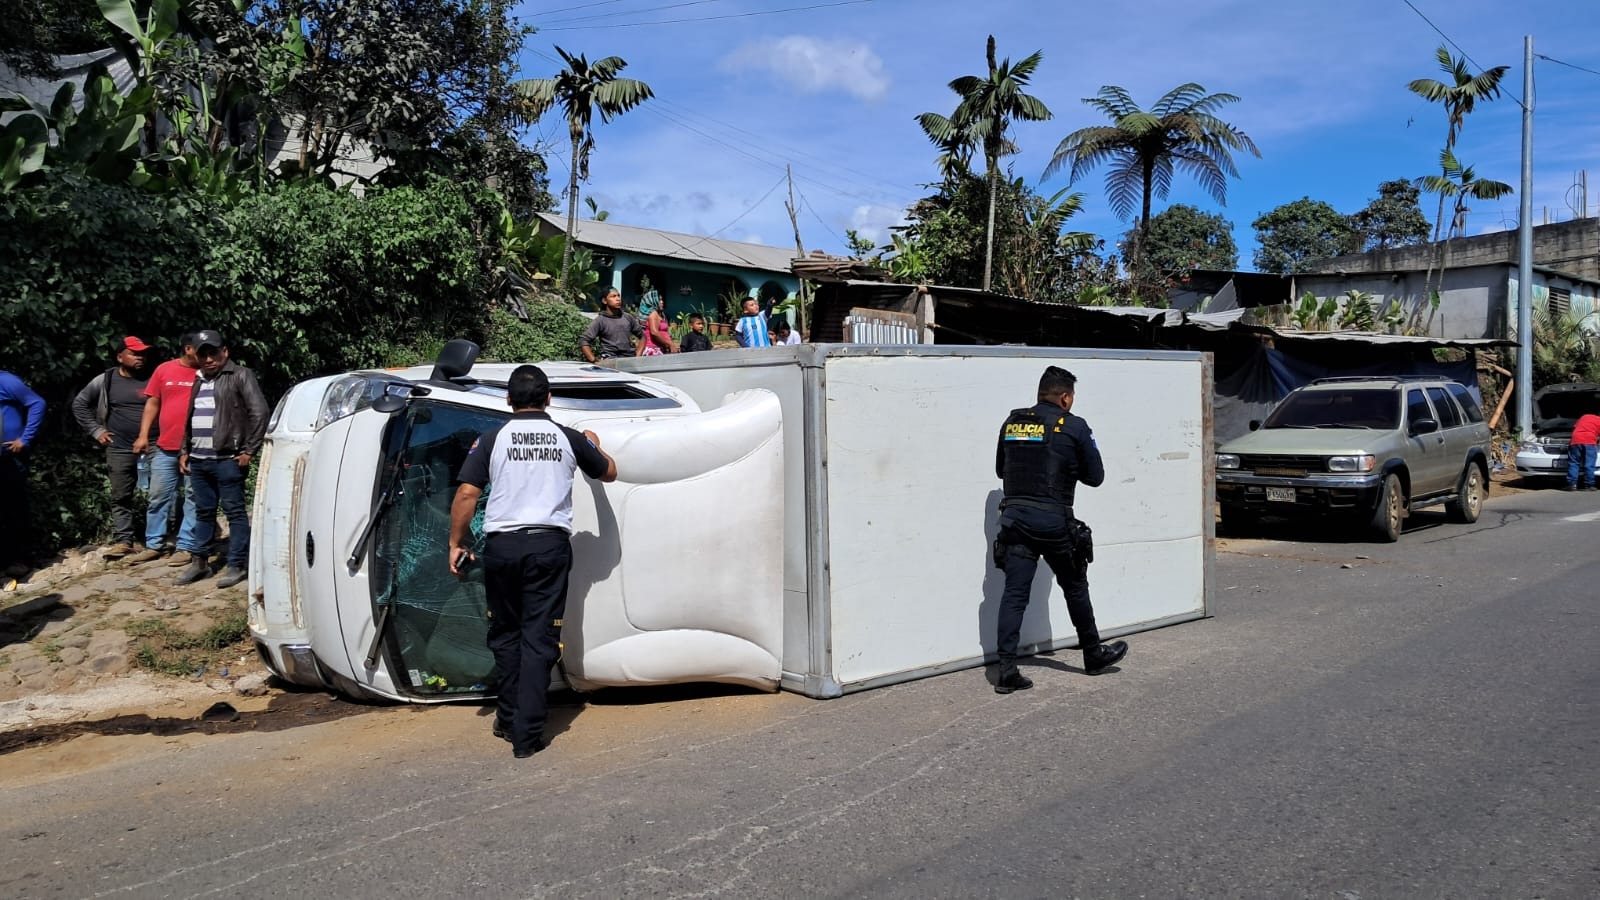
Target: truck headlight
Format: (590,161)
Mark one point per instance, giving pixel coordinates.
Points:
(1534,446)
(1362,463)
(345,397)
(1227,460)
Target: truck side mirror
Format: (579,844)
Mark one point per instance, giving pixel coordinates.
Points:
(389,404)
(1255,424)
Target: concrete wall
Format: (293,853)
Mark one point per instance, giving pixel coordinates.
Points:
(1473,302)
(1569,246)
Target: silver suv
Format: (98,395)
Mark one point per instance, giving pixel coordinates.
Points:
(1370,449)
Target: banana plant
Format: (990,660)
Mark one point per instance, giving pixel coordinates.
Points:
(22,149)
(1305,313)
(145,38)
(101,139)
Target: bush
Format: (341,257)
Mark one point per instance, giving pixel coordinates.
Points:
(303,279)
(551,333)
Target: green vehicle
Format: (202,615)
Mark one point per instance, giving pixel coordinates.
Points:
(1366,450)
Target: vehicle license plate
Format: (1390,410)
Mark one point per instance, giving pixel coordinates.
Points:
(1280,495)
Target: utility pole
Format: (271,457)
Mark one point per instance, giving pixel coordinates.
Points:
(1525,251)
(799,248)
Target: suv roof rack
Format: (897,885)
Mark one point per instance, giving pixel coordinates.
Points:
(1395,378)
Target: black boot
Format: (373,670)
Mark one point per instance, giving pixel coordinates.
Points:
(1011,680)
(1101,657)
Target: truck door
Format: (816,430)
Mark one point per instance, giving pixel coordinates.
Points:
(677,565)
(1458,438)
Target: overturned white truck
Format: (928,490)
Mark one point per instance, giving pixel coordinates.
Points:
(816,517)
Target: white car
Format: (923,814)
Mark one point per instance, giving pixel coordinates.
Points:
(1555,411)
(350,587)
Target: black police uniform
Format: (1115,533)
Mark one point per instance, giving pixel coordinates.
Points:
(527,557)
(1043,453)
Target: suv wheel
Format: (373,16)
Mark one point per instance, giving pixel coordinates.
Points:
(1468,503)
(1390,513)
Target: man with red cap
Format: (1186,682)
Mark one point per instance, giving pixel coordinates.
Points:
(109,409)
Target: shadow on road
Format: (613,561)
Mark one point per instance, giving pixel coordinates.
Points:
(284,711)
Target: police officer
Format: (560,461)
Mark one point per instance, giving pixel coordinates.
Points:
(1044,451)
(527,551)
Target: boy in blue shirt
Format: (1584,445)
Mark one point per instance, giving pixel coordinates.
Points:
(751,330)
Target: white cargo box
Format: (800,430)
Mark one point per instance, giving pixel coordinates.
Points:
(891,500)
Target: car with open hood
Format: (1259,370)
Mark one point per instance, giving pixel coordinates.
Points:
(1365,450)
(1556,408)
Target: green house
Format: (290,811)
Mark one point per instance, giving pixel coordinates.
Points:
(692,273)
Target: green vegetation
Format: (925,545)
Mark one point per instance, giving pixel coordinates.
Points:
(1296,234)
(987,106)
(1144,148)
(1181,239)
(581,90)
(169,650)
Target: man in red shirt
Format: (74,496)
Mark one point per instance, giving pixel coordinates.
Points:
(1581,453)
(166,409)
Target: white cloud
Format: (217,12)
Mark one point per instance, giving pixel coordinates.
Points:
(815,65)
(874,221)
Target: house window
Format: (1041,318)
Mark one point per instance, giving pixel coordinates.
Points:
(1560,301)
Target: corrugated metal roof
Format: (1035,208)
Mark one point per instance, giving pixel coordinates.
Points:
(674,245)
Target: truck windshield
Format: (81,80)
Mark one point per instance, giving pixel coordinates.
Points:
(437,624)
(1337,409)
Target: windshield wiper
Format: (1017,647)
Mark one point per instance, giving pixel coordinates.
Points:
(1342,425)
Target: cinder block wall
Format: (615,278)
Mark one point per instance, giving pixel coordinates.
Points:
(1572,247)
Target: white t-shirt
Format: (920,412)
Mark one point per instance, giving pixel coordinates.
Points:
(531,461)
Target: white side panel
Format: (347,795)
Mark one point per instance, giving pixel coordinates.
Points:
(675,572)
(913,503)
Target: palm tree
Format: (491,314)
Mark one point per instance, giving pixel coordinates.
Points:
(1181,131)
(581,89)
(988,105)
(1461,183)
(1460,98)
(955,146)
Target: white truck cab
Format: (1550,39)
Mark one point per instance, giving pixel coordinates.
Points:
(677,576)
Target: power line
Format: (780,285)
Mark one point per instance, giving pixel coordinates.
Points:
(551,12)
(786,148)
(843,242)
(629,12)
(1560,62)
(743,15)
(1448,40)
(752,208)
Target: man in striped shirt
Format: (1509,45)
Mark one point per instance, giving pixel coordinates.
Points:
(227,424)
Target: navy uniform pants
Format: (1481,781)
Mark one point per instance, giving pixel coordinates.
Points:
(525,583)
(1028,535)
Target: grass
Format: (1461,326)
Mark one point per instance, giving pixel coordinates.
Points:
(171,651)
(52,651)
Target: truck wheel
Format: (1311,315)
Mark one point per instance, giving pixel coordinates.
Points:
(1390,512)
(1468,503)
(1238,522)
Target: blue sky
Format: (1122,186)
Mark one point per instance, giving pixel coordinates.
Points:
(834,91)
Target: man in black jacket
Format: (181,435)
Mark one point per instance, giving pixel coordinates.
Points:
(227,423)
(108,409)
(1044,451)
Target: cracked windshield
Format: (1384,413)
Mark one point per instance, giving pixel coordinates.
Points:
(437,622)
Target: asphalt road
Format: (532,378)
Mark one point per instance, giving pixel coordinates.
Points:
(1424,723)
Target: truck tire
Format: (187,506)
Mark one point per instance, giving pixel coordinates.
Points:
(1390,513)
(1470,492)
(1237,522)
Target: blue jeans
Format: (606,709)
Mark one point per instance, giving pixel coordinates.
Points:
(214,481)
(165,486)
(1580,465)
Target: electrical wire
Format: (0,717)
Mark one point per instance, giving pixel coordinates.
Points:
(580,6)
(843,242)
(627,12)
(743,15)
(1561,62)
(748,210)
(1464,54)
